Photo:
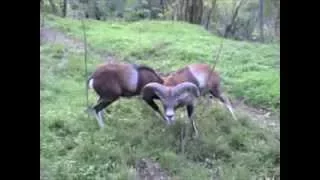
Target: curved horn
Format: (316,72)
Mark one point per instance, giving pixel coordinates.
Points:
(154,88)
(186,87)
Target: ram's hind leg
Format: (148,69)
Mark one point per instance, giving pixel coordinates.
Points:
(97,109)
(216,93)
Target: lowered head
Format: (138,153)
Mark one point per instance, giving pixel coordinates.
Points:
(171,97)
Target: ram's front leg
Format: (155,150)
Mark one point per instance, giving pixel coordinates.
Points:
(190,109)
(155,107)
(184,134)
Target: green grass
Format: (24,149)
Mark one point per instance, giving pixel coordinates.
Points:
(249,70)
(72,147)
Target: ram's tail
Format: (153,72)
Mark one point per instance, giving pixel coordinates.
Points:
(90,83)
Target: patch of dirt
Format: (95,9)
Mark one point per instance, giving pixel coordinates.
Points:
(150,170)
(266,119)
(54,36)
(43,174)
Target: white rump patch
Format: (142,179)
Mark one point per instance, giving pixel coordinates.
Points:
(91,83)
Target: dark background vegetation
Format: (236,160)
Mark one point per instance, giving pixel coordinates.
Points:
(254,20)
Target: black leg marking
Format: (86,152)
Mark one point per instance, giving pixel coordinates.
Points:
(101,105)
(98,108)
(216,93)
(155,107)
(190,110)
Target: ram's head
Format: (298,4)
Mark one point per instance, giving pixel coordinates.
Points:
(172,97)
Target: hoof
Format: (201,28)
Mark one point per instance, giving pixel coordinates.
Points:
(89,110)
(101,127)
(168,123)
(195,136)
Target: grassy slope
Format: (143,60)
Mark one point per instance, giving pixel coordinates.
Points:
(72,147)
(249,70)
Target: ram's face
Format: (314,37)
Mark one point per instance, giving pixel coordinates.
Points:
(169,105)
(171,97)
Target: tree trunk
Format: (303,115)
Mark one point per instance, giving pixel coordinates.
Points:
(209,18)
(41,14)
(162,7)
(92,9)
(214,12)
(186,15)
(193,11)
(196,12)
(65,4)
(207,14)
(188,10)
(230,28)
(277,23)
(261,20)
(53,7)
(149,5)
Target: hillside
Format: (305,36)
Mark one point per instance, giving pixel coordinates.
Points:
(72,147)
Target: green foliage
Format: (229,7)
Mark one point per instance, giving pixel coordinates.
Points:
(72,146)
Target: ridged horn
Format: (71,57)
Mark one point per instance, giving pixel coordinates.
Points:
(186,87)
(154,88)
